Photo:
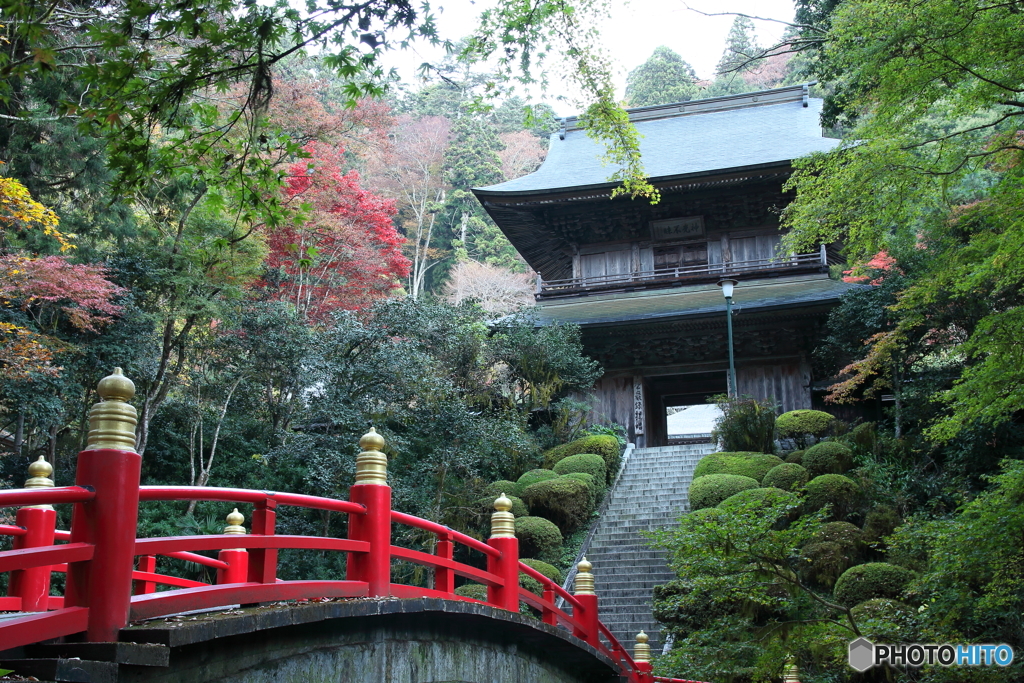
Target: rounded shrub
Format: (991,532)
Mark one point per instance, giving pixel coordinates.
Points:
(563,500)
(538,538)
(544,568)
(865,437)
(835,489)
(885,620)
(587,479)
(833,550)
(828,457)
(872,580)
(797,423)
(499,487)
(796,457)
(531,477)
(788,476)
(761,496)
(531,584)
(710,490)
(880,522)
(485,506)
(475,591)
(605,445)
(745,464)
(587,463)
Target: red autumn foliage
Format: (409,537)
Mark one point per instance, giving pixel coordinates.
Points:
(880,264)
(347,254)
(50,285)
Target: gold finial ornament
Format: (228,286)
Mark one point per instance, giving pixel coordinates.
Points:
(234,520)
(39,478)
(372,464)
(642,651)
(112,421)
(790,674)
(584,583)
(503,522)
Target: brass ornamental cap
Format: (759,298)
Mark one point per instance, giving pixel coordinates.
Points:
(641,651)
(234,520)
(584,583)
(503,522)
(372,464)
(39,478)
(112,421)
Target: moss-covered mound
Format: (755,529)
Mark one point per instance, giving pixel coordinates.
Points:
(592,487)
(538,538)
(544,568)
(761,496)
(473,590)
(788,476)
(828,457)
(501,486)
(835,489)
(710,490)
(604,445)
(745,464)
(797,423)
(563,500)
(531,477)
(587,463)
(832,551)
(485,506)
(872,580)
(796,457)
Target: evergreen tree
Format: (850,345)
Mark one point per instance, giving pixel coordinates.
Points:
(740,46)
(665,77)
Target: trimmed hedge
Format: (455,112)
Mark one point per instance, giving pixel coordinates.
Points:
(473,590)
(797,423)
(538,538)
(486,507)
(544,568)
(828,457)
(743,463)
(836,489)
(765,496)
(501,486)
(563,500)
(532,477)
(788,476)
(710,490)
(880,522)
(587,479)
(833,550)
(872,580)
(796,457)
(587,463)
(604,445)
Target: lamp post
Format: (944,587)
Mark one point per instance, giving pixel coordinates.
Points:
(727,284)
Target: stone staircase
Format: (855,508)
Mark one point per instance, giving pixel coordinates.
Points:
(650,493)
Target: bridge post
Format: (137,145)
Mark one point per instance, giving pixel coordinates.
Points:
(237,559)
(444,578)
(585,594)
(372,491)
(110,465)
(33,585)
(642,658)
(503,539)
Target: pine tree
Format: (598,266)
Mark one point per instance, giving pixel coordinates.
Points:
(740,46)
(664,78)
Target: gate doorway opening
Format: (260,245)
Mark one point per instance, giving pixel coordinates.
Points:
(679,411)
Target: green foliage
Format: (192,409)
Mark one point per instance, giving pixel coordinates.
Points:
(880,522)
(538,538)
(544,568)
(864,437)
(872,580)
(485,506)
(750,497)
(565,501)
(499,487)
(796,457)
(533,477)
(475,591)
(884,620)
(746,464)
(835,490)
(664,78)
(833,549)
(796,423)
(788,476)
(605,445)
(745,425)
(590,463)
(712,489)
(827,457)
(592,486)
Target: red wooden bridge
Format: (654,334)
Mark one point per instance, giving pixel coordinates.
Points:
(112,576)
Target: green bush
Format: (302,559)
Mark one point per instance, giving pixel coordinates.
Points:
(589,480)
(710,490)
(544,568)
(538,538)
(475,591)
(531,584)
(828,457)
(833,550)
(765,496)
(532,477)
(797,423)
(501,486)
(564,501)
(880,522)
(743,463)
(872,580)
(835,489)
(788,476)
(485,506)
(605,445)
(746,425)
(796,457)
(865,437)
(588,463)
(885,620)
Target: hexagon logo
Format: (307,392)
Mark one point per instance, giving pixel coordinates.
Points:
(862,654)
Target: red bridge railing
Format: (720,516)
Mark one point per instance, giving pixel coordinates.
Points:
(113,577)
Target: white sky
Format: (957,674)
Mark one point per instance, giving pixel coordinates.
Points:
(635,28)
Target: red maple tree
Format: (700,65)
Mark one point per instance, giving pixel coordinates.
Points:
(347,253)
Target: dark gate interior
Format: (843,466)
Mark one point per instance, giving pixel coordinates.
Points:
(677,390)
